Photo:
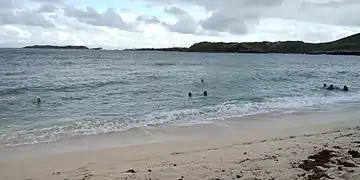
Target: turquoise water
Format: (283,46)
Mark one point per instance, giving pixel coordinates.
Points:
(95,92)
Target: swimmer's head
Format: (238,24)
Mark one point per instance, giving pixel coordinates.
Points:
(38,100)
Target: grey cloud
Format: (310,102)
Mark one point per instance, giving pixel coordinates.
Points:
(232,16)
(46,8)
(27,18)
(89,12)
(175,11)
(28,36)
(11,40)
(224,23)
(217,22)
(10,4)
(332,12)
(262,2)
(222,4)
(343,13)
(337,3)
(185,24)
(49,1)
(148,19)
(6,4)
(109,18)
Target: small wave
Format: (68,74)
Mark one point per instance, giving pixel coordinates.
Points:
(194,64)
(135,73)
(61,88)
(355,74)
(139,91)
(203,114)
(280,78)
(86,86)
(156,76)
(109,114)
(73,98)
(114,93)
(68,63)
(271,77)
(14,73)
(237,108)
(165,64)
(308,74)
(57,132)
(17,90)
(256,99)
(110,83)
(342,72)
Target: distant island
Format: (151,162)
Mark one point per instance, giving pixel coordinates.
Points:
(345,46)
(61,47)
(55,47)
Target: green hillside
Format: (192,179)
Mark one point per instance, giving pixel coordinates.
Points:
(349,45)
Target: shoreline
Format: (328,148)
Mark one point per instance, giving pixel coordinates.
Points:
(182,132)
(254,149)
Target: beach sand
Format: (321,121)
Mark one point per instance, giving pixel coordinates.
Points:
(305,151)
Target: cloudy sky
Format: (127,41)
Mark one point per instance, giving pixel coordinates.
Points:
(117,24)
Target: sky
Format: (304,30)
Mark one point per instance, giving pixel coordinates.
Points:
(119,24)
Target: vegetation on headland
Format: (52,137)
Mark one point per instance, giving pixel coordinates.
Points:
(346,46)
(178,49)
(98,48)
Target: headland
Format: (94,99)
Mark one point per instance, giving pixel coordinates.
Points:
(345,46)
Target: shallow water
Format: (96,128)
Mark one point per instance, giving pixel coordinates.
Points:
(95,92)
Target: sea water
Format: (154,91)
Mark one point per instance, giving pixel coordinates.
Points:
(89,92)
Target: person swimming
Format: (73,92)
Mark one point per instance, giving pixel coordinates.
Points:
(345,88)
(324,85)
(332,87)
(205,93)
(190,95)
(38,100)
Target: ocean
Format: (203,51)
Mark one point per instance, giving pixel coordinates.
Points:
(88,92)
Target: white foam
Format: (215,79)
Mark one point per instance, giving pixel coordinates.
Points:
(177,117)
(236,109)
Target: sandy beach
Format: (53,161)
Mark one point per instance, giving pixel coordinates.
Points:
(302,151)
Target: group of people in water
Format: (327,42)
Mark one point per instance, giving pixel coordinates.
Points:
(332,87)
(205,93)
